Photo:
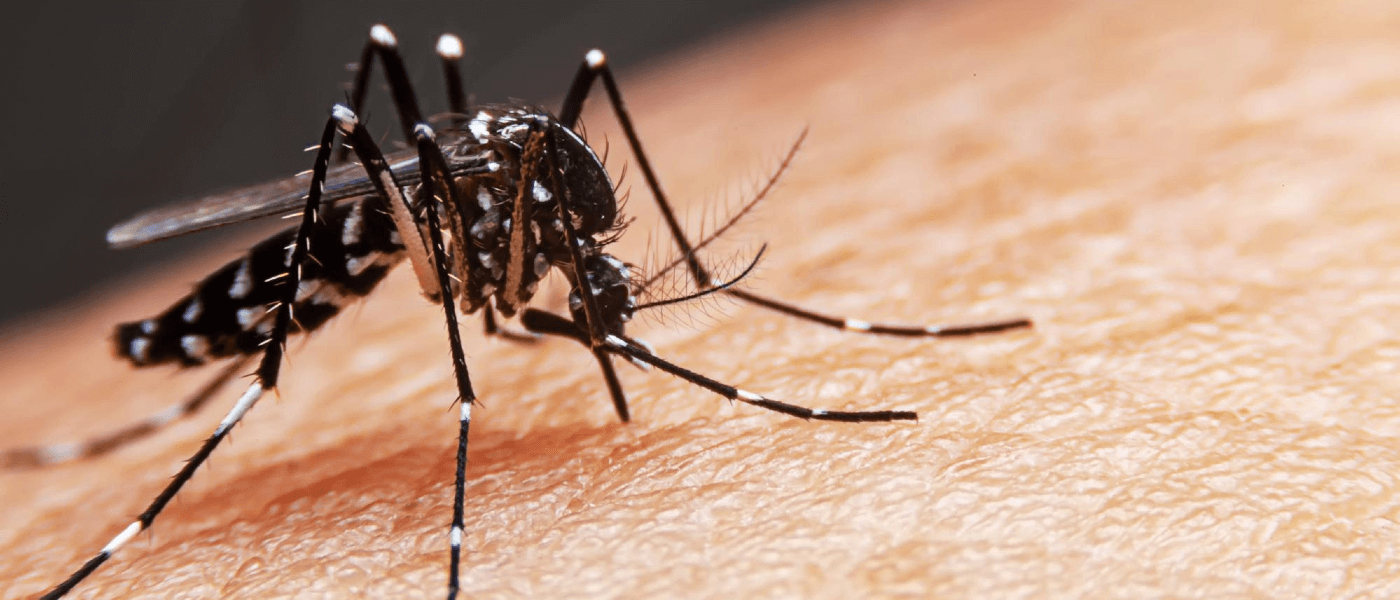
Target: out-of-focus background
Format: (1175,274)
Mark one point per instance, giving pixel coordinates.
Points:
(113,109)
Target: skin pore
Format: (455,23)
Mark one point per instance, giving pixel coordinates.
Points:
(1193,201)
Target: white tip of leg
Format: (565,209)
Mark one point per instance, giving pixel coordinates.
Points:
(449,46)
(595,59)
(345,116)
(856,325)
(425,131)
(122,538)
(165,416)
(235,415)
(59,453)
(382,36)
(749,396)
(645,346)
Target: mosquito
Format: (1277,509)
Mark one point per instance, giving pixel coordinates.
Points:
(482,211)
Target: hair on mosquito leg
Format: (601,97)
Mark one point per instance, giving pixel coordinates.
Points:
(43,456)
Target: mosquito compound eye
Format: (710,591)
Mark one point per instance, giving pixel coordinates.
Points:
(449,46)
(590,190)
(609,283)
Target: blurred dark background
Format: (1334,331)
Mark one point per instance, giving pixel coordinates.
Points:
(110,109)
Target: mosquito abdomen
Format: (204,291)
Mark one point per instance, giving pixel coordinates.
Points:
(227,313)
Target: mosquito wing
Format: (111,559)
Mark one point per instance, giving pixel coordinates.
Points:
(272,198)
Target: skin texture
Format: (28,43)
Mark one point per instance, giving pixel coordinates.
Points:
(1193,200)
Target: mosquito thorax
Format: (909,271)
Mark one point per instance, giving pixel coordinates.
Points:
(498,265)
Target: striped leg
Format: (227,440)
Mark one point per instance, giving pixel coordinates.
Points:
(547,323)
(383,44)
(267,374)
(435,175)
(595,66)
(430,154)
(43,456)
(624,347)
(449,49)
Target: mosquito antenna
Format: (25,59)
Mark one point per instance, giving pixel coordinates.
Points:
(741,213)
(705,292)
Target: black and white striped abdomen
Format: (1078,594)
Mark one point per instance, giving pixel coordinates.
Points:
(227,314)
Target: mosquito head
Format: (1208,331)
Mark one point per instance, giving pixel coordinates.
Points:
(610,282)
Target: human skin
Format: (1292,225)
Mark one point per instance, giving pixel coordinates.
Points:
(1193,201)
